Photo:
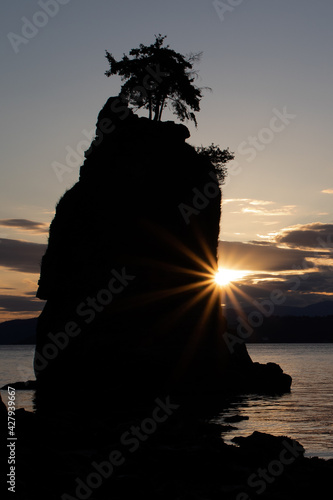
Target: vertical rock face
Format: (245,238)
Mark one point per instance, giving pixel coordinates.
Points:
(130,312)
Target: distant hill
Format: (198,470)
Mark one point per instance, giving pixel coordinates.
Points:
(18,331)
(320,309)
(310,311)
(313,323)
(287,329)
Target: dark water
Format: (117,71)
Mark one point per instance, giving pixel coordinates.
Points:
(306,414)
(16,365)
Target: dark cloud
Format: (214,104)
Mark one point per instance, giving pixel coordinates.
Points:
(294,289)
(258,257)
(21,304)
(286,270)
(315,235)
(313,282)
(21,256)
(262,243)
(25,224)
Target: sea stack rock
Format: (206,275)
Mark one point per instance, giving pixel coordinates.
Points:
(132,311)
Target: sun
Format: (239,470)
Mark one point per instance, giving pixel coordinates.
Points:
(225,276)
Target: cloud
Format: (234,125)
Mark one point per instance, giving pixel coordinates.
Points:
(269,212)
(21,256)
(266,223)
(295,290)
(260,207)
(260,242)
(327,191)
(25,225)
(10,303)
(233,200)
(317,282)
(263,256)
(301,269)
(314,235)
(248,200)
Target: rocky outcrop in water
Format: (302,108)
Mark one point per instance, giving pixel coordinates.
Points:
(130,359)
(126,273)
(79,458)
(132,310)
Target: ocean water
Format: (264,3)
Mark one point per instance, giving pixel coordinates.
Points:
(16,365)
(306,414)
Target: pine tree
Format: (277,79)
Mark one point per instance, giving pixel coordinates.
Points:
(156,76)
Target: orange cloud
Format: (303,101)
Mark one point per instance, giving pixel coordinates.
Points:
(25,225)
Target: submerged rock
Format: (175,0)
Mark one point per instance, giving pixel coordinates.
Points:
(235,418)
(21,386)
(68,458)
(263,445)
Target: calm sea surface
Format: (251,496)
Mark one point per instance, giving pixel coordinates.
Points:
(16,365)
(306,414)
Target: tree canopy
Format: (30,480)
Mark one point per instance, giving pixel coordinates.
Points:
(156,76)
(219,158)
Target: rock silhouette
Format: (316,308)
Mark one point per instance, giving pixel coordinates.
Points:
(132,311)
(176,461)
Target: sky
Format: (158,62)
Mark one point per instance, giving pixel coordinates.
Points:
(269,67)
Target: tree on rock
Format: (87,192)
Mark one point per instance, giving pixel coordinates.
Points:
(218,158)
(156,76)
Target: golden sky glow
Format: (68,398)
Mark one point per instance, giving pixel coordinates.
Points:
(277,216)
(225,276)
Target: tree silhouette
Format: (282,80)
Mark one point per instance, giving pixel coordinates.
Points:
(154,76)
(218,158)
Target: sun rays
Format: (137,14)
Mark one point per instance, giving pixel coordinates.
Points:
(190,284)
(224,277)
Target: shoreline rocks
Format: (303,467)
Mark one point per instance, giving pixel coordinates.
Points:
(63,457)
